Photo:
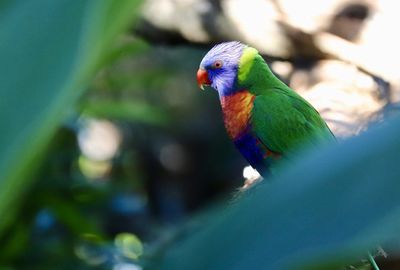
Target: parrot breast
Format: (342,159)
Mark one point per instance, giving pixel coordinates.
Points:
(236,110)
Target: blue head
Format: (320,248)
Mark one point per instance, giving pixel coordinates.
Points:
(219,67)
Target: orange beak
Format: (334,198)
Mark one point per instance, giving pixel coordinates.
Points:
(202,78)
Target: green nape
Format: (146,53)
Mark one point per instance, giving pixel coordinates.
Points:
(255,75)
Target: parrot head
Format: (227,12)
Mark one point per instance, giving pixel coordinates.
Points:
(219,67)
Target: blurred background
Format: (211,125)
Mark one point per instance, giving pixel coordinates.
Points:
(140,148)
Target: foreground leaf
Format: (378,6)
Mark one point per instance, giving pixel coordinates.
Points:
(331,207)
(49,51)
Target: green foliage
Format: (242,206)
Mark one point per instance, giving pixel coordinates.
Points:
(124,110)
(49,51)
(331,206)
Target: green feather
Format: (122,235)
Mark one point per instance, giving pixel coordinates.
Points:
(281,119)
(284,121)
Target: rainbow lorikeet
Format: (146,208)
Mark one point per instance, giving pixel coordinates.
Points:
(265,118)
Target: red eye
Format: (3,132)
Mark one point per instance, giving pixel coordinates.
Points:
(217,64)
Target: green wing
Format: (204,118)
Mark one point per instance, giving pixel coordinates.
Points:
(283,121)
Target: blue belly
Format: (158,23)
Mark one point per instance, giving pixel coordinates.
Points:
(252,151)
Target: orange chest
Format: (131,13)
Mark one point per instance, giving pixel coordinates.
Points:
(237,109)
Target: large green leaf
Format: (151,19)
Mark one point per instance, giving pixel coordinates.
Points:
(49,50)
(330,206)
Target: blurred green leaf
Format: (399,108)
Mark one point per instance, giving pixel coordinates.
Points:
(129,48)
(331,206)
(125,110)
(15,242)
(49,51)
(150,79)
(70,216)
